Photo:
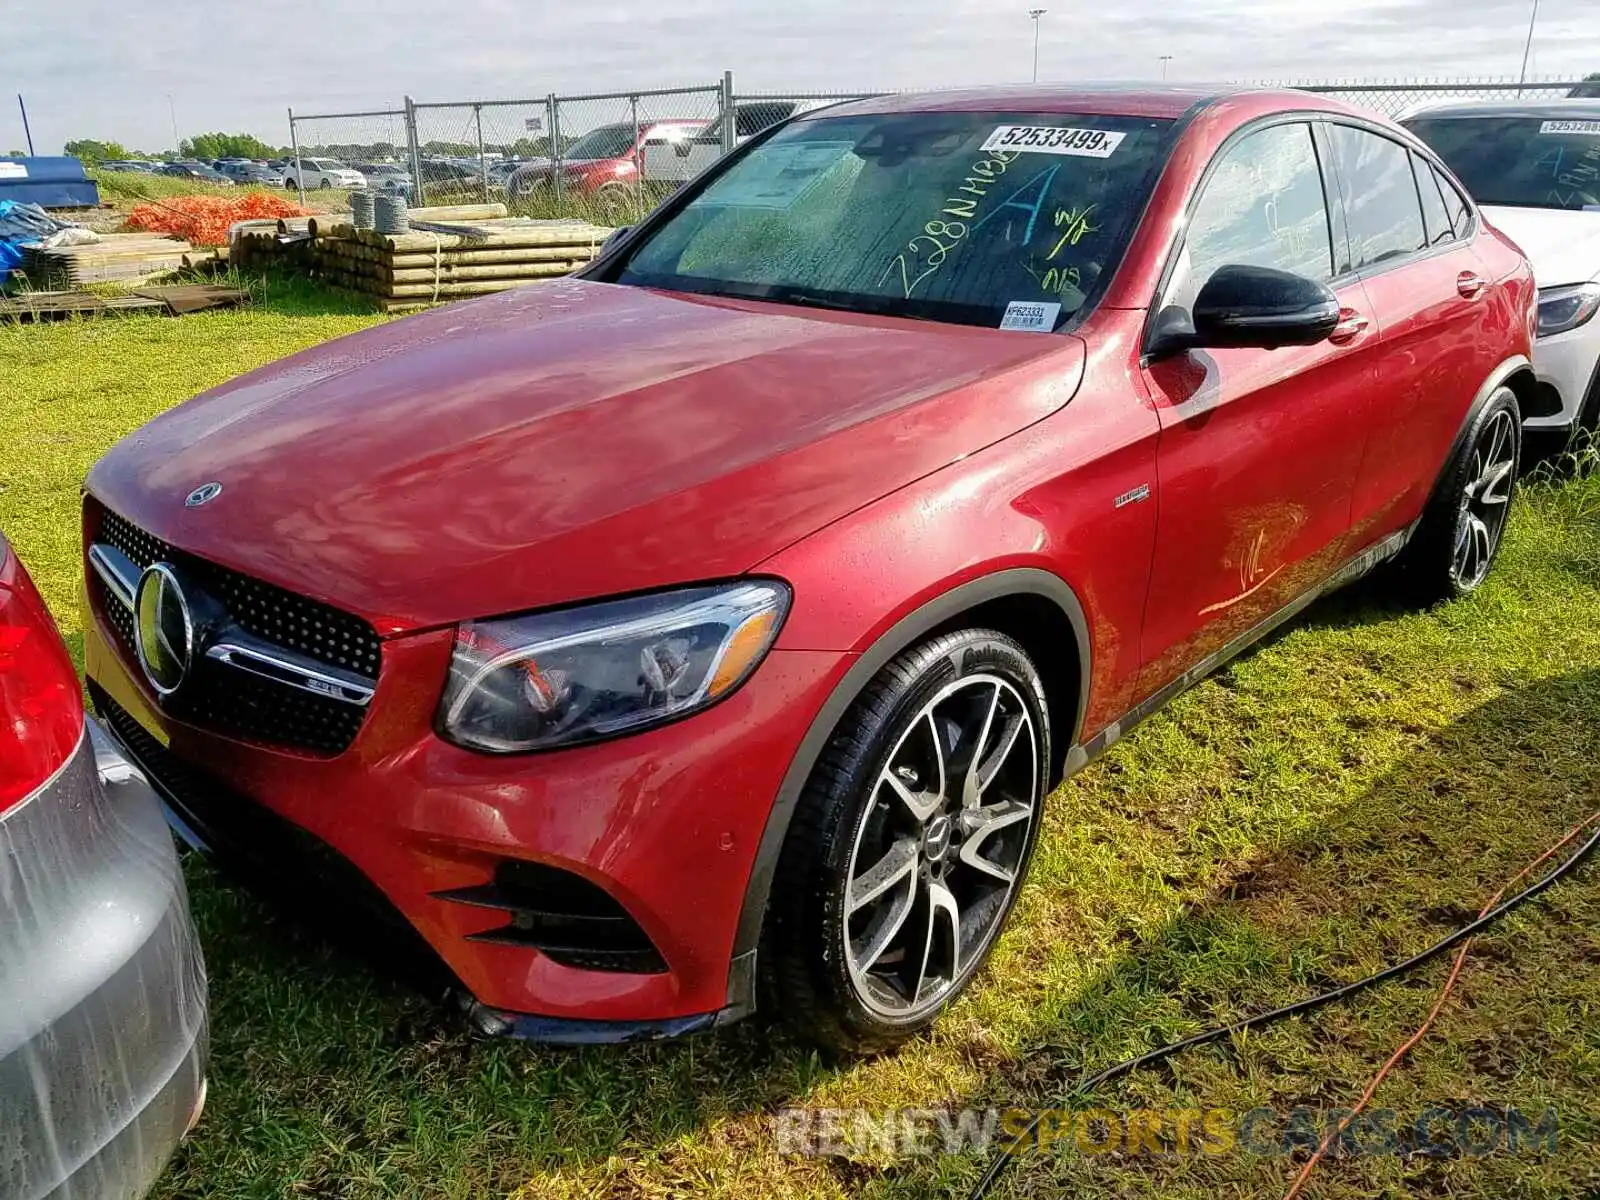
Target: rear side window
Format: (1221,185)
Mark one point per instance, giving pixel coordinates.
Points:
(1383,210)
(1435,216)
(1460,215)
(1262,206)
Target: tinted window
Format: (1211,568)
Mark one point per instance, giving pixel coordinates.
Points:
(609,141)
(1531,161)
(1460,215)
(1384,213)
(952,216)
(1435,216)
(1263,206)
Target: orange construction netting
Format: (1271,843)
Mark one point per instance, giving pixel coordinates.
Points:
(204,220)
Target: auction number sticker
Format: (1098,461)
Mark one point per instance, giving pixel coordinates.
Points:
(1054,139)
(13,170)
(1592,128)
(1031,316)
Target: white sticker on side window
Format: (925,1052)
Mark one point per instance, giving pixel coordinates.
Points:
(1054,139)
(1030,316)
(13,170)
(1591,128)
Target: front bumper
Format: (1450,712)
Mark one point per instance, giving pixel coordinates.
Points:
(1568,363)
(401,832)
(103,1031)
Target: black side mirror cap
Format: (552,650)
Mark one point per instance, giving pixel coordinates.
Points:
(1258,307)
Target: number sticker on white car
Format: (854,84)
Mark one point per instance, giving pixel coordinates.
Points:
(1054,139)
(1592,128)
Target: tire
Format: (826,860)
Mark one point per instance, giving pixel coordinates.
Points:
(1459,536)
(288,185)
(840,952)
(326,185)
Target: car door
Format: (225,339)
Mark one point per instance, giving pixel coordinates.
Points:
(1411,243)
(1259,448)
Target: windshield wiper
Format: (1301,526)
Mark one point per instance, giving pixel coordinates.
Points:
(865,305)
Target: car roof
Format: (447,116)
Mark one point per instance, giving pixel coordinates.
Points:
(1581,108)
(1168,101)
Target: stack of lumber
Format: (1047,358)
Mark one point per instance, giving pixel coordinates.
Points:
(176,301)
(113,257)
(462,254)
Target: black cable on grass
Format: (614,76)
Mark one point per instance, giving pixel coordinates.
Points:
(1002,1160)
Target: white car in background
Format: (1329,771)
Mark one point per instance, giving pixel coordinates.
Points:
(316,173)
(1534,169)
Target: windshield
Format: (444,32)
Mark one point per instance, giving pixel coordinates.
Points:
(1535,162)
(976,218)
(609,141)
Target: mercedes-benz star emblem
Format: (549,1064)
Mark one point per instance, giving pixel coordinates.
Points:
(204,494)
(163,628)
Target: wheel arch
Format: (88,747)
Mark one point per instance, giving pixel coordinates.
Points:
(1515,372)
(1036,608)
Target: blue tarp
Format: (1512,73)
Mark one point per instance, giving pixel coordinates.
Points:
(21,224)
(48,182)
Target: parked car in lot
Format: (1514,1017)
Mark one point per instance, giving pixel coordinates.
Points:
(195,170)
(386,177)
(1535,168)
(253,174)
(128,166)
(714,625)
(322,173)
(607,164)
(103,1030)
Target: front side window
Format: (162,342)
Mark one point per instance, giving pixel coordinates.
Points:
(1534,162)
(609,141)
(947,216)
(1262,206)
(1383,209)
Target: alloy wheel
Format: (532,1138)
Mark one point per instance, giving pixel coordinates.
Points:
(941,847)
(1485,501)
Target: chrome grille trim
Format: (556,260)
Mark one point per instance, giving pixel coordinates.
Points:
(117,571)
(245,653)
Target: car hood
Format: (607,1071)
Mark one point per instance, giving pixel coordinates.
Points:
(572,440)
(1562,245)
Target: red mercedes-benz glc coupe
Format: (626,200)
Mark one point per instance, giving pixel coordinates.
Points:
(715,625)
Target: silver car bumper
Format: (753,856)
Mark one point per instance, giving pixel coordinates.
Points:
(103,1026)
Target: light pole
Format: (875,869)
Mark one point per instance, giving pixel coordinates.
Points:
(1036,13)
(1527,47)
(173,113)
(1165,59)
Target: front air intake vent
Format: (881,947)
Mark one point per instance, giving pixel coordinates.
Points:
(563,916)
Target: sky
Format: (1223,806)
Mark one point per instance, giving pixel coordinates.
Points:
(106,70)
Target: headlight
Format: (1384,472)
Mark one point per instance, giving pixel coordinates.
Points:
(1564,308)
(598,670)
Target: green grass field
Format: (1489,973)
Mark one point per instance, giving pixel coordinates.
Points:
(1337,800)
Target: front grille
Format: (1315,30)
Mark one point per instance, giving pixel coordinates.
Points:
(563,916)
(234,702)
(276,858)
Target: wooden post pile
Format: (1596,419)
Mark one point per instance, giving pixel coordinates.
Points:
(422,267)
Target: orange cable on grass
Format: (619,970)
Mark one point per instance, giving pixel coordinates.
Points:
(1433,1014)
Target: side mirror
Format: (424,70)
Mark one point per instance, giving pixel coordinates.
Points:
(615,236)
(1257,307)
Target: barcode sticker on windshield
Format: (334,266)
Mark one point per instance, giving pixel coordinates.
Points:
(1030,316)
(1592,128)
(1054,139)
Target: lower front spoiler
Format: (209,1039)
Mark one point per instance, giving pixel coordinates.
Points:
(566,1031)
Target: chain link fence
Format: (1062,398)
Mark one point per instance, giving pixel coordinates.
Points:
(1399,99)
(375,143)
(610,157)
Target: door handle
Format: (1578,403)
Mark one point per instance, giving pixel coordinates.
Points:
(1351,326)
(1470,284)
